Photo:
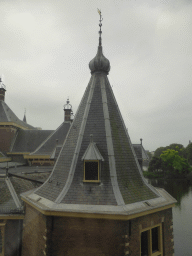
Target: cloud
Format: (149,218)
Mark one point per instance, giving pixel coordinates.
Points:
(46,46)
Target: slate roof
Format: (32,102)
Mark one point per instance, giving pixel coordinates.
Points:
(48,145)
(28,140)
(122,188)
(140,152)
(33,173)
(11,188)
(7,115)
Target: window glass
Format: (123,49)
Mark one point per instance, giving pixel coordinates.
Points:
(144,243)
(155,240)
(91,171)
(1,241)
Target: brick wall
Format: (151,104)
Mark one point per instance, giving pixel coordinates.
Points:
(65,236)
(6,136)
(85,237)
(34,233)
(13,237)
(164,217)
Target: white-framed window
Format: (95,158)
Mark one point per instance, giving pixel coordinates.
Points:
(151,241)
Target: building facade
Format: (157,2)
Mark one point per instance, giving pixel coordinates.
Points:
(96,201)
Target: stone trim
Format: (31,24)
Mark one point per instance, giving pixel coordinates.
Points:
(112,165)
(139,168)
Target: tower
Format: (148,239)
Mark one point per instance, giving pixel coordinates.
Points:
(2,90)
(67,111)
(96,201)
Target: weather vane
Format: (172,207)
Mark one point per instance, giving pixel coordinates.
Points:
(100,24)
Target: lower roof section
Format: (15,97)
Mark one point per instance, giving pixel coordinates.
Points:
(121,212)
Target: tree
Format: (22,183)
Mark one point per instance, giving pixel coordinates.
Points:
(155,165)
(175,146)
(159,151)
(188,153)
(174,163)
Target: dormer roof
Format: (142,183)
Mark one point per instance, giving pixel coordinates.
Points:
(92,153)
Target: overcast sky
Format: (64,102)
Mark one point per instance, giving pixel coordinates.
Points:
(45,48)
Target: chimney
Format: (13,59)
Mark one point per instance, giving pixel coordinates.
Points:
(2,90)
(141,141)
(67,111)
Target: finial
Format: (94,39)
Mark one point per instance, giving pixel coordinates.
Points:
(91,137)
(24,118)
(100,25)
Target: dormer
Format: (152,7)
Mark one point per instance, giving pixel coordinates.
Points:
(92,162)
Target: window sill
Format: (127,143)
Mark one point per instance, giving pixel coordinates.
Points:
(92,181)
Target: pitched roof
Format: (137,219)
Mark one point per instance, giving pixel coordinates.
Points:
(92,153)
(28,140)
(11,188)
(140,152)
(49,144)
(122,187)
(7,115)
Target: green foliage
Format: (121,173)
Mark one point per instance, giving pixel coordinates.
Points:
(159,151)
(172,160)
(174,163)
(155,165)
(174,146)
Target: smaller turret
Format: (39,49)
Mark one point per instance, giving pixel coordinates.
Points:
(2,90)
(67,111)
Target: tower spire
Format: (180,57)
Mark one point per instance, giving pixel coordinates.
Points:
(100,25)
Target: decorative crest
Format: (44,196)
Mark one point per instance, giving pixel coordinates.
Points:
(100,25)
(2,85)
(68,106)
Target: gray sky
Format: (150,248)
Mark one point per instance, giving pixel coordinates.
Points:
(45,48)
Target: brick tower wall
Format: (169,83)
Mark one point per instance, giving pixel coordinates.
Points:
(138,224)
(34,233)
(83,237)
(6,137)
(13,237)
(59,236)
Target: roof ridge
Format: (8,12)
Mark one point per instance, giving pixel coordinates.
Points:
(13,193)
(79,141)
(126,131)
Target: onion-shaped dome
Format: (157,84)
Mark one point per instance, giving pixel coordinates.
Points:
(99,63)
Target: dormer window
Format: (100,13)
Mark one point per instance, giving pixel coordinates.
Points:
(92,163)
(91,171)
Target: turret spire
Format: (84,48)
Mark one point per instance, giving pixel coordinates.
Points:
(100,25)
(24,118)
(100,63)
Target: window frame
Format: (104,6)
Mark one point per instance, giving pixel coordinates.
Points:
(2,230)
(149,235)
(96,181)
